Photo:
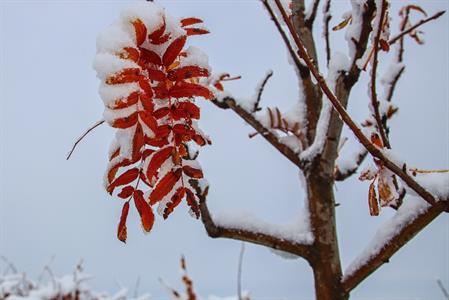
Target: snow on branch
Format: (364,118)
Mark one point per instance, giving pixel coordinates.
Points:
(281,238)
(410,218)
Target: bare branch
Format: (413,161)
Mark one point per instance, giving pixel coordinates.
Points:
(261,129)
(401,238)
(264,239)
(443,289)
(82,136)
(374,100)
(311,16)
(326,19)
(410,29)
(301,68)
(372,149)
(239,272)
(260,91)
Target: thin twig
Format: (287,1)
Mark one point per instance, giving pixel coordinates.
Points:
(443,289)
(309,21)
(82,136)
(410,29)
(267,134)
(374,100)
(284,36)
(260,91)
(239,272)
(346,118)
(327,18)
(9,265)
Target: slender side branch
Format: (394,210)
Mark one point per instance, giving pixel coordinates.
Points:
(259,238)
(261,129)
(82,136)
(374,100)
(400,239)
(301,68)
(408,30)
(326,19)
(311,18)
(372,149)
(260,91)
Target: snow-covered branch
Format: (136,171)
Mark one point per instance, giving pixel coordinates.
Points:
(269,236)
(409,220)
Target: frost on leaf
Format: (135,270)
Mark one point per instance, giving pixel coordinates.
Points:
(148,85)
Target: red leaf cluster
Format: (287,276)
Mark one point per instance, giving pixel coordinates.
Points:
(162,122)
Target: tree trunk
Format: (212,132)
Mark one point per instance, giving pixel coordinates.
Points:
(326,259)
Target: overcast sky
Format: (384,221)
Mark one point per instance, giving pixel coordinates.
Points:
(50,206)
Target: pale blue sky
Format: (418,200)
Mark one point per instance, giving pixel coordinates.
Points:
(48,206)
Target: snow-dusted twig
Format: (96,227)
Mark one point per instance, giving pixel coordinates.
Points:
(230,103)
(410,29)
(311,13)
(260,89)
(442,288)
(326,20)
(9,265)
(374,100)
(284,36)
(239,272)
(264,239)
(82,136)
(346,118)
(400,238)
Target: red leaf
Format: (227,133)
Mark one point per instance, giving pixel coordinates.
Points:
(175,200)
(163,131)
(125,122)
(219,86)
(190,21)
(192,203)
(150,57)
(156,161)
(156,142)
(145,211)
(138,142)
(384,45)
(115,154)
(125,76)
(173,50)
(186,110)
(130,53)
(161,92)
(122,232)
(127,102)
(126,192)
(156,75)
(200,140)
(162,39)
(148,120)
(164,186)
(184,89)
(147,152)
(187,72)
(196,31)
(140,30)
(147,103)
(192,172)
(375,139)
(127,177)
(155,35)
(161,112)
(146,87)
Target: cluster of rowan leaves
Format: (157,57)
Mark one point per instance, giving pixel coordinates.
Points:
(162,122)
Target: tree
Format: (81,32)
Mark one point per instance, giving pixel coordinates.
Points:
(311,141)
